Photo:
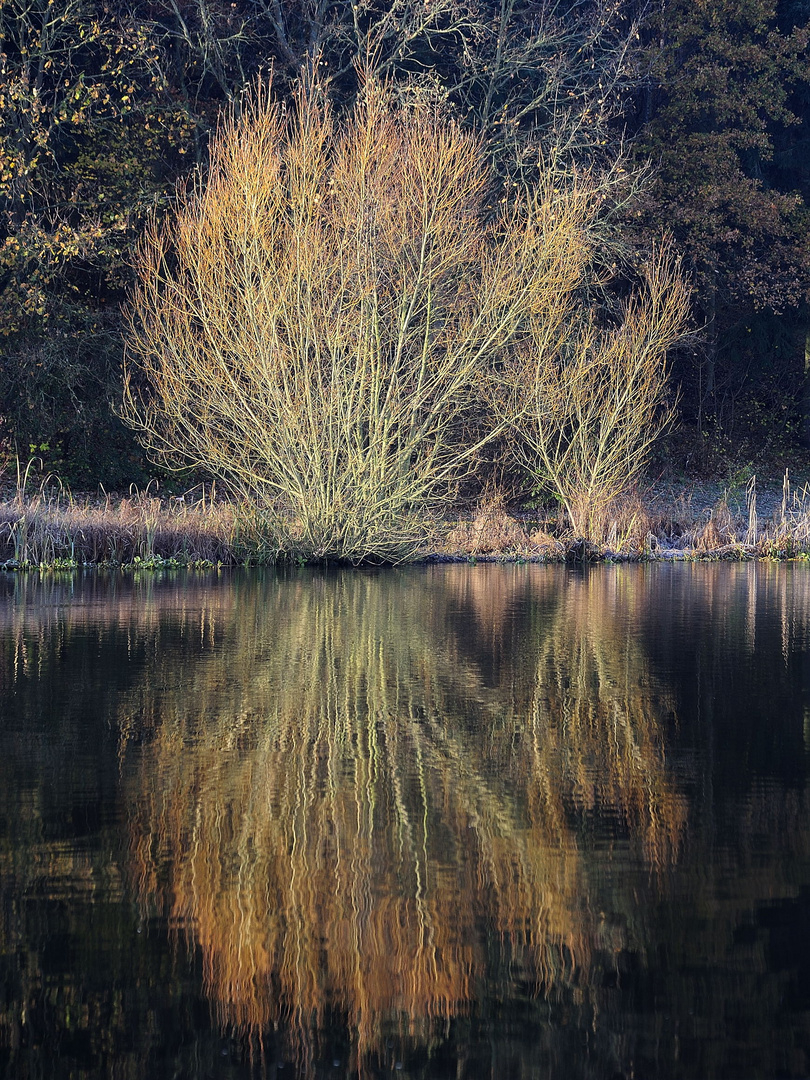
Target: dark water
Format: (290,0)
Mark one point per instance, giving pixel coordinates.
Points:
(461,822)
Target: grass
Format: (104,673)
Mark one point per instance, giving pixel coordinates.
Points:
(51,528)
(44,526)
(753,523)
(706,525)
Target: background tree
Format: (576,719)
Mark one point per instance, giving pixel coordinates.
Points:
(102,107)
(86,141)
(718,104)
(557,70)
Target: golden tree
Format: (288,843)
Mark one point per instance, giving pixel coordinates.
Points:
(316,320)
(588,402)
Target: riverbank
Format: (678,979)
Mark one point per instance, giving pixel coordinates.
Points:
(687,521)
(55,530)
(669,521)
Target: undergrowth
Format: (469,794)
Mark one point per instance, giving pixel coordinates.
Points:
(44,526)
(49,527)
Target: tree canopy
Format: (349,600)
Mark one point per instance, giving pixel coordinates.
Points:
(105,107)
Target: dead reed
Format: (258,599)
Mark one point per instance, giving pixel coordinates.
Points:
(492,532)
(47,527)
(787,533)
(52,528)
(758,523)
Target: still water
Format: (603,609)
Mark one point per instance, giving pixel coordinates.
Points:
(469,822)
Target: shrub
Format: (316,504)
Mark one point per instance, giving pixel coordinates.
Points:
(318,319)
(588,403)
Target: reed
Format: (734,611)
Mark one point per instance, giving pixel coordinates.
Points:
(50,528)
(787,534)
(768,524)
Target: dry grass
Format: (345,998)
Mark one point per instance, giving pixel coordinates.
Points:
(49,527)
(738,524)
(52,528)
(719,530)
(492,532)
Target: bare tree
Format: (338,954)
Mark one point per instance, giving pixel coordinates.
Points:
(559,72)
(588,404)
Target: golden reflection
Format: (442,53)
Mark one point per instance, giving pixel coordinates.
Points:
(601,713)
(348,817)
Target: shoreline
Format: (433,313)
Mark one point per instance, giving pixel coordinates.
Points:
(729,554)
(689,522)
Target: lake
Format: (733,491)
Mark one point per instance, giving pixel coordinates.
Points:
(447,821)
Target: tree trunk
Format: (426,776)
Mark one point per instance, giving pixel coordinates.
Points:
(806,389)
(707,397)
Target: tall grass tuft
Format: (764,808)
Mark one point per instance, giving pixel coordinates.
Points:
(788,532)
(48,527)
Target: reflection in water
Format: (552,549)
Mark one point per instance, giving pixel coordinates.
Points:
(74,974)
(349,814)
(592,712)
(445,806)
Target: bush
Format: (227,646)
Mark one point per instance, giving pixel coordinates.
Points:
(588,402)
(317,322)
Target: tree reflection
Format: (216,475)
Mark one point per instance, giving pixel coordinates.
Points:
(348,817)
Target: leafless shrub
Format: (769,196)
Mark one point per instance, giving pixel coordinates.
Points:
(317,321)
(587,404)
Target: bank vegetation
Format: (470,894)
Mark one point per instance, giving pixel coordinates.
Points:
(353,324)
(48,528)
(342,318)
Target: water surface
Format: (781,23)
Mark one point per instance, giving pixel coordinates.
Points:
(504,821)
